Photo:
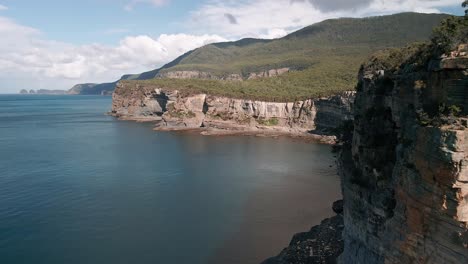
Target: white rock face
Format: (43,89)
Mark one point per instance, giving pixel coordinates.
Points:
(231,77)
(269,73)
(172,109)
(198,75)
(297,116)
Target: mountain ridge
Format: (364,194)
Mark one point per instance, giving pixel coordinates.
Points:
(349,39)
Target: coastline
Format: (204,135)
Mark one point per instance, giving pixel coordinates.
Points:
(236,130)
(311,120)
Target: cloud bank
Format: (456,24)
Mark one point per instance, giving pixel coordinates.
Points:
(25,51)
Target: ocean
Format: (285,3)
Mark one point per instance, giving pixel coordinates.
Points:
(78,186)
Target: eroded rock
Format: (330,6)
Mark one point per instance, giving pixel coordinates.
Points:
(177,110)
(404,175)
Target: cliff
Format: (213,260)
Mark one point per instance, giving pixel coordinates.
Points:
(178,110)
(404,173)
(227,77)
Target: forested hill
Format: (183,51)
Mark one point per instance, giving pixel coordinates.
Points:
(321,57)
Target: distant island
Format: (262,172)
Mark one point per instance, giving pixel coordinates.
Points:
(59,92)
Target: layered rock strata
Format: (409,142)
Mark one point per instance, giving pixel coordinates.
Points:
(228,77)
(405,173)
(172,109)
(198,75)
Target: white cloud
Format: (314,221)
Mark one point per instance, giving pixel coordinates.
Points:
(2,7)
(422,6)
(266,18)
(273,33)
(24,50)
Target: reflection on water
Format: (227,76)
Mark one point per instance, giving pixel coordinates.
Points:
(76,186)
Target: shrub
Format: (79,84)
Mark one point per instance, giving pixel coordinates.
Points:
(451,32)
(268,122)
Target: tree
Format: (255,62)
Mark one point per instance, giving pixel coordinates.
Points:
(451,32)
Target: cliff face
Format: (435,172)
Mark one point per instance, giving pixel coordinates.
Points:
(405,173)
(174,109)
(229,77)
(197,75)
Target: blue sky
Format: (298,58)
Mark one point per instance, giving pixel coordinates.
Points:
(103,21)
(55,44)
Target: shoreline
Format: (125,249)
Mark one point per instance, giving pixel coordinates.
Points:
(236,130)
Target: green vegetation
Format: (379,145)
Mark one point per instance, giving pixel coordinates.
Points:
(446,115)
(451,32)
(316,81)
(324,59)
(311,45)
(414,58)
(268,122)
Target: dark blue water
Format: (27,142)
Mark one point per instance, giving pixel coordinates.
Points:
(77,186)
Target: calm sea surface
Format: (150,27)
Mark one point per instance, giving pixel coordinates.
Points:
(77,186)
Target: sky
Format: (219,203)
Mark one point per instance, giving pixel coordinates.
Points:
(55,44)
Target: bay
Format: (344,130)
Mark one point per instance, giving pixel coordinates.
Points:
(77,186)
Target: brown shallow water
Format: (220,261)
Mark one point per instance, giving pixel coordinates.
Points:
(273,214)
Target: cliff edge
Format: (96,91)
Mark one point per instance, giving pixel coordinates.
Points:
(174,109)
(403,160)
(405,171)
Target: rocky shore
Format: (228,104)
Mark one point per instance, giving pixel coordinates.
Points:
(172,110)
(321,244)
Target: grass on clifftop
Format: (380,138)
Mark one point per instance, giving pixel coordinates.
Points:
(325,78)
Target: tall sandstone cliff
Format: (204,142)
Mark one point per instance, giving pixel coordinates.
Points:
(174,109)
(405,171)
